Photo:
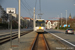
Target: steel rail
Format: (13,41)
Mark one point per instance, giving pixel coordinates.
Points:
(46,44)
(34,42)
(7,38)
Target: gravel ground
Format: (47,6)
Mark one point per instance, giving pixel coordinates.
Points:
(25,42)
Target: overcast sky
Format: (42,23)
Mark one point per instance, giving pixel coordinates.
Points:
(49,8)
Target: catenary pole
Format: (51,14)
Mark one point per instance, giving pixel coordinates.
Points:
(36,16)
(66,17)
(58,22)
(61,19)
(19,23)
(34,19)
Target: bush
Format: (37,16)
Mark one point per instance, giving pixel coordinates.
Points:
(14,25)
(64,28)
(55,27)
(0,20)
(61,28)
(3,25)
(21,27)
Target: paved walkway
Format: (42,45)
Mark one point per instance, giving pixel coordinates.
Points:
(25,42)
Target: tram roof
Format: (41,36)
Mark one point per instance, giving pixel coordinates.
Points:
(39,19)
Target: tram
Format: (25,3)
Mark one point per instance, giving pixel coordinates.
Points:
(39,25)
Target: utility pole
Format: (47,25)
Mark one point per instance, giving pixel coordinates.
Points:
(11,31)
(61,19)
(66,17)
(19,24)
(8,21)
(34,19)
(36,16)
(58,22)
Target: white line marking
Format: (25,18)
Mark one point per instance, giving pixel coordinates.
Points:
(63,40)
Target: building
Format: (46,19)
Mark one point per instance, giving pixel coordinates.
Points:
(22,22)
(51,24)
(3,15)
(70,16)
(29,21)
(1,9)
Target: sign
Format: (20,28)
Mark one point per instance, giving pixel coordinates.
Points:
(68,25)
(60,25)
(10,10)
(65,25)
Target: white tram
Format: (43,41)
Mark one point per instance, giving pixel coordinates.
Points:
(39,25)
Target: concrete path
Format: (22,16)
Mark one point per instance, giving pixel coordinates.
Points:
(25,42)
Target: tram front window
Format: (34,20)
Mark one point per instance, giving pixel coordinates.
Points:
(40,23)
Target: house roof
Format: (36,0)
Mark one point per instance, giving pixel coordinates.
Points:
(51,21)
(27,18)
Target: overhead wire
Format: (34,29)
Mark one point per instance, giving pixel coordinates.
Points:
(40,9)
(29,7)
(27,4)
(26,10)
(25,7)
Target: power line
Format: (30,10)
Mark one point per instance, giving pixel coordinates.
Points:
(40,9)
(27,4)
(26,10)
(26,7)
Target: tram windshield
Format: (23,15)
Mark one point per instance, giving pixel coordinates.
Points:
(40,23)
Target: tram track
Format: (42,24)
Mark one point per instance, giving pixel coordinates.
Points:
(46,41)
(40,43)
(5,38)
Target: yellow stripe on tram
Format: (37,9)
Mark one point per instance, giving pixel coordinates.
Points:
(39,27)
